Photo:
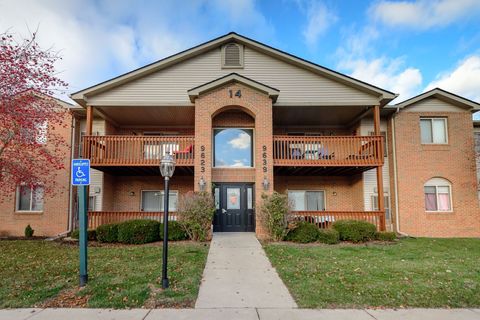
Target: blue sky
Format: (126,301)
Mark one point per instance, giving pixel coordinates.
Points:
(403,46)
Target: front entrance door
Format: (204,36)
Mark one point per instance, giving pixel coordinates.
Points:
(234,204)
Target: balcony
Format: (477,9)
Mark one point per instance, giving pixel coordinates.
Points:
(327,154)
(137,154)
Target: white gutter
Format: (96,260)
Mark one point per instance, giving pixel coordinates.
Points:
(395,181)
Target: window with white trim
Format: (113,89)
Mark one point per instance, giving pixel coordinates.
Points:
(438,195)
(29,198)
(37,133)
(152,201)
(386,200)
(302,200)
(91,203)
(433,130)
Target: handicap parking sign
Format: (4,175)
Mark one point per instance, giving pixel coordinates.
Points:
(80,172)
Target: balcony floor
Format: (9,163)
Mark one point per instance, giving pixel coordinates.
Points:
(320,171)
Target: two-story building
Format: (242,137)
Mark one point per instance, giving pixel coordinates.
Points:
(242,119)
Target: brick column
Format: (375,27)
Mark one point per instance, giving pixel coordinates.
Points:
(258,105)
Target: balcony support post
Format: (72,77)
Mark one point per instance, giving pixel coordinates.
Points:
(380,197)
(89,124)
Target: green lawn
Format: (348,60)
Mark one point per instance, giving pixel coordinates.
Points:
(36,273)
(410,273)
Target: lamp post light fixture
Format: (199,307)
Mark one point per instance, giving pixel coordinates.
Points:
(167,167)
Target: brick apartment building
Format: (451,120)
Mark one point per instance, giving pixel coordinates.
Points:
(243,119)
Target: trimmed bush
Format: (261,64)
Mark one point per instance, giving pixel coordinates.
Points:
(328,236)
(304,233)
(29,231)
(274,215)
(138,231)
(91,234)
(195,215)
(386,236)
(355,231)
(107,233)
(175,231)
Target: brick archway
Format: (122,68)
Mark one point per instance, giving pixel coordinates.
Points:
(255,103)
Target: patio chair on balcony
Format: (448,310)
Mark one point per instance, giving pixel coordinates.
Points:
(366,151)
(186,153)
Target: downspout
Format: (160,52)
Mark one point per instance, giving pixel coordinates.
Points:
(395,181)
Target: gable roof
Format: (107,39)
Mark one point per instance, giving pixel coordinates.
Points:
(229,78)
(384,95)
(444,96)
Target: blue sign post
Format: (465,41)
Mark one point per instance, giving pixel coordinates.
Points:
(81,179)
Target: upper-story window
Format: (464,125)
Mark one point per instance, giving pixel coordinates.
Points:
(232,55)
(233,148)
(438,195)
(433,130)
(36,134)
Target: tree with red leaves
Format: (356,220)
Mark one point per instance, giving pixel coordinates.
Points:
(31,152)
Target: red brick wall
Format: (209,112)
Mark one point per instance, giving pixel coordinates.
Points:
(418,163)
(341,193)
(122,200)
(211,105)
(54,218)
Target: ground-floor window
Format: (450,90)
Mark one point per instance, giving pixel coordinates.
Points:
(302,200)
(29,198)
(386,201)
(91,203)
(438,195)
(152,200)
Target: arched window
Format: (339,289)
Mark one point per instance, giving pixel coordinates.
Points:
(438,195)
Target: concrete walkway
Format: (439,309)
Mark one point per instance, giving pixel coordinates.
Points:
(238,274)
(239,314)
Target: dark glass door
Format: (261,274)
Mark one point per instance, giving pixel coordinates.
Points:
(234,207)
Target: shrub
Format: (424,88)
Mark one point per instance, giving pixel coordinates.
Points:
(304,233)
(29,231)
(107,233)
(355,231)
(195,215)
(175,231)
(91,234)
(386,236)
(328,236)
(138,231)
(273,214)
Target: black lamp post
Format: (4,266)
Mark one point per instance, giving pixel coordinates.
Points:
(167,166)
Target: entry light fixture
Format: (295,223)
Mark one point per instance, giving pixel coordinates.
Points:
(202,184)
(265,183)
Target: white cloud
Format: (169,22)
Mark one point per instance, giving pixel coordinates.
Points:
(242,141)
(464,80)
(238,163)
(358,58)
(319,19)
(102,39)
(386,73)
(424,14)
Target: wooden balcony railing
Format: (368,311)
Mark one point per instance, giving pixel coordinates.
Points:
(324,219)
(327,150)
(97,218)
(137,150)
